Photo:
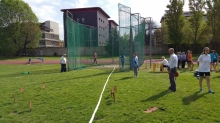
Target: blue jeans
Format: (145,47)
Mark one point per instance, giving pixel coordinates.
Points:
(172,80)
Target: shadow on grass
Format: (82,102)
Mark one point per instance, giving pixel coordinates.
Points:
(124,78)
(157,72)
(97,75)
(37,72)
(192,98)
(155,97)
(22,112)
(50,71)
(216,77)
(109,100)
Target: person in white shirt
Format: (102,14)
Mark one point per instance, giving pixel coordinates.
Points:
(172,69)
(63,63)
(204,63)
(164,63)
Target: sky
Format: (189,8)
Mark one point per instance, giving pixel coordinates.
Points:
(50,9)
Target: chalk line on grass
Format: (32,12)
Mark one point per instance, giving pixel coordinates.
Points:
(100,98)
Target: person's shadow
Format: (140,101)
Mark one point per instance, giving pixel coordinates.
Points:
(192,98)
(155,97)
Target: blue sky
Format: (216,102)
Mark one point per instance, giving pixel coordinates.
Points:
(50,9)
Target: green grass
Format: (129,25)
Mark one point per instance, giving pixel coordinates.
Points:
(72,96)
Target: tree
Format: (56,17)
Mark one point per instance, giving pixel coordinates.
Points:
(112,46)
(19,28)
(175,21)
(147,35)
(213,21)
(196,20)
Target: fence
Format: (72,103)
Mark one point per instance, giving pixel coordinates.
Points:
(132,34)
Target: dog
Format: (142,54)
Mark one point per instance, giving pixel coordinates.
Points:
(113,91)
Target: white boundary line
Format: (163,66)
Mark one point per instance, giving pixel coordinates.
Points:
(100,98)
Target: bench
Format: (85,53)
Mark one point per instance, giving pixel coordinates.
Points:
(38,58)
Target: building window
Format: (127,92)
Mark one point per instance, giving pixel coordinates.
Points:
(43,35)
(52,36)
(83,20)
(42,42)
(77,20)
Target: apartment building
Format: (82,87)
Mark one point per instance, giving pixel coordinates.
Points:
(94,17)
(50,34)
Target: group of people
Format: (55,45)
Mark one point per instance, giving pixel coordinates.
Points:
(182,58)
(204,62)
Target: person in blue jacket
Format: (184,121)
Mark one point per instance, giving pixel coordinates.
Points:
(122,57)
(135,64)
(215,59)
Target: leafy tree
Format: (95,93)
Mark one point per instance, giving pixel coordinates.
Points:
(112,46)
(197,24)
(16,20)
(175,21)
(213,21)
(147,35)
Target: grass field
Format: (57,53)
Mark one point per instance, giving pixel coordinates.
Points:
(71,97)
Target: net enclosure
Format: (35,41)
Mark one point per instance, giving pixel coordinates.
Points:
(84,41)
(103,45)
(132,36)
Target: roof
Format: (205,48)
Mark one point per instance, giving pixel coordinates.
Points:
(113,22)
(43,27)
(86,9)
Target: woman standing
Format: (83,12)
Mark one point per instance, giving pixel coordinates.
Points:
(204,63)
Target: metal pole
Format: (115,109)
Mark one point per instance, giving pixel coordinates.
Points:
(150,43)
(112,46)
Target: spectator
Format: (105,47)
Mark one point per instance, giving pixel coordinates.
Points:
(215,60)
(179,59)
(204,62)
(63,63)
(183,60)
(164,63)
(189,59)
(211,55)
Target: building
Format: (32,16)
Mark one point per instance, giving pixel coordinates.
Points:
(93,17)
(50,34)
(112,24)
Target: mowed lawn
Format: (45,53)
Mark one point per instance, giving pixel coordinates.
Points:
(71,97)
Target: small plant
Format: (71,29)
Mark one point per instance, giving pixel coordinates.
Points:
(55,54)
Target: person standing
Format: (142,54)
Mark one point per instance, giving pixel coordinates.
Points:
(204,63)
(135,65)
(172,69)
(63,63)
(211,55)
(122,57)
(183,60)
(189,60)
(95,58)
(179,59)
(215,60)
